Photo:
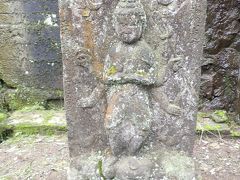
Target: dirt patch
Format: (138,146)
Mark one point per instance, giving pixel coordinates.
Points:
(218,159)
(34,157)
(44,157)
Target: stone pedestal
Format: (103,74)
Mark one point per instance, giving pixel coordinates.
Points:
(131,78)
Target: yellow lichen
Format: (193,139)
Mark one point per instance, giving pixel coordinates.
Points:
(112,70)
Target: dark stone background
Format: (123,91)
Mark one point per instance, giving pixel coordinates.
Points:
(220,70)
(30,54)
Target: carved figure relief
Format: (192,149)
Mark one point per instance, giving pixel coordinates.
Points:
(131,70)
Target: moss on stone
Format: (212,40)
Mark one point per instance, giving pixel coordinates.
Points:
(219,121)
(59,93)
(25,97)
(206,123)
(49,130)
(220,116)
(112,70)
(141,73)
(100,170)
(235,133)
(29,122)
(3,117)
(210,127)
(30,129)
(55,104)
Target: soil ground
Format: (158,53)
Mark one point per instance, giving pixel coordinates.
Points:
(44,157)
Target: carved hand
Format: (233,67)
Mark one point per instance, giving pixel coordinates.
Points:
(141,79)
(175,63)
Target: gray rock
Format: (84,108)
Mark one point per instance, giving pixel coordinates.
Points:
(207,125)
(131,76)
(30,45)
(220,89)
(134,168)
(220,116)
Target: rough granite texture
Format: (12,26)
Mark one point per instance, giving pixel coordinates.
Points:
(131,80)
(30,54)
(220,69)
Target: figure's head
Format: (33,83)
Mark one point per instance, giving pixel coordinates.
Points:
(129,20)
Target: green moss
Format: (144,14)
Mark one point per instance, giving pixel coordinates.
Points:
(29,129)
(209,127)
(100,170)
(220,116)
(210,122)
(56,104)
(36,26)
(141,73)
(30,98)
(47,115)
(17,124)
(49,130)
(235,133)
(221,113)
(59,93)
(3,116)
(25,97)
(112,70)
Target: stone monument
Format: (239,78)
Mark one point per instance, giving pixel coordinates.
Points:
(131,77)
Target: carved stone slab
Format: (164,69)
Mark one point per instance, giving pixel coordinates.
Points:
(131,79)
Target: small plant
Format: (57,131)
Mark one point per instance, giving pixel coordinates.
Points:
(100,170)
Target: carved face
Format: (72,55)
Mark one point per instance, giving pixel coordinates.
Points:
(129,27)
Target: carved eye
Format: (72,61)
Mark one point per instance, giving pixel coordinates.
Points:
(131,20)
(82,58)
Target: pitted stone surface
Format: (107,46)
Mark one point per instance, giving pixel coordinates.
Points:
(30,54)
(131,77)
(220,69)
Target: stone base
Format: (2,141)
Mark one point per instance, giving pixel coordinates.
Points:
(155,165)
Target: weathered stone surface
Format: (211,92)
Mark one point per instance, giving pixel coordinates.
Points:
(217,123)
(220,70)
(131,77)
(207,125)
(30,54)
(32,120)
(220,116)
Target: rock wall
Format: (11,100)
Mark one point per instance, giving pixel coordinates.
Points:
(30,56)
(220,70)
